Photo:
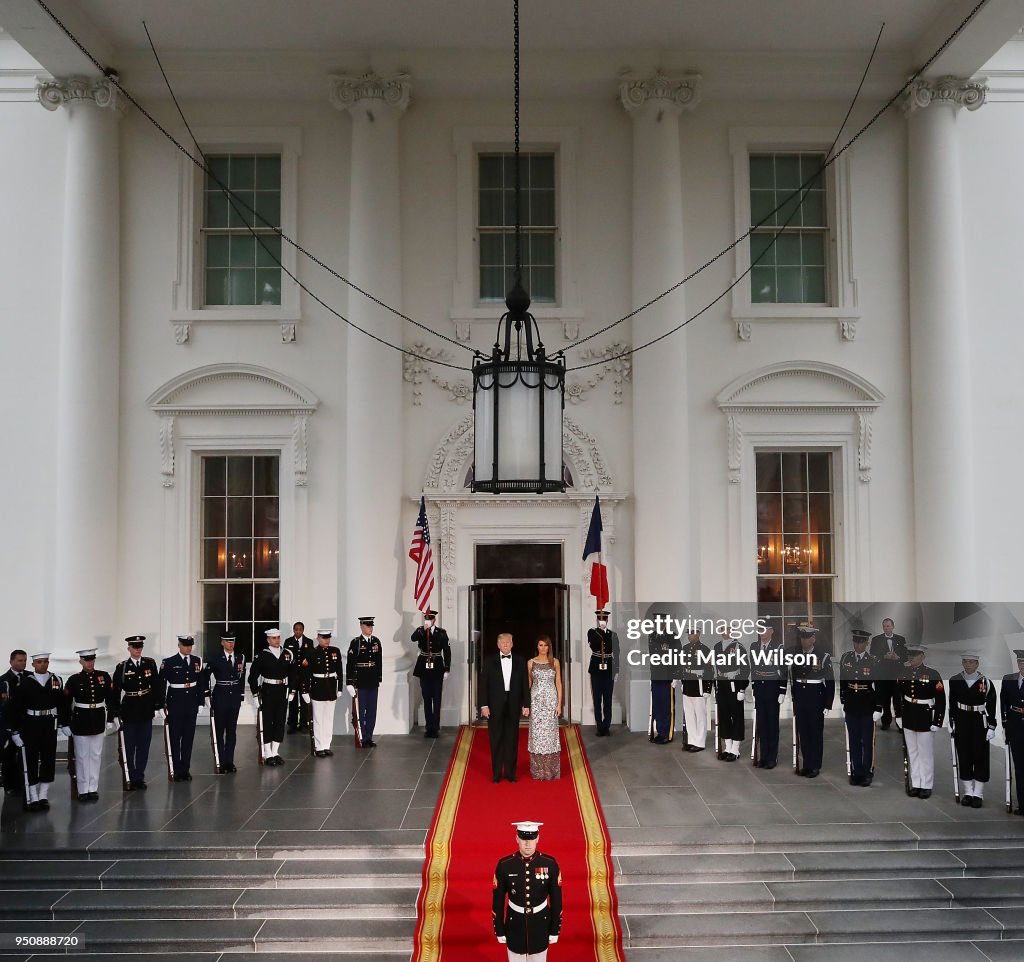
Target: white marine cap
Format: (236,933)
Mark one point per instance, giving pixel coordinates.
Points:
(325,633)
(86,653)
(527,830)
(917,649)
(41,654)
(273,632)
(972,655)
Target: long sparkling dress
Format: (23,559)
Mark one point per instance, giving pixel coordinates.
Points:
(544,745)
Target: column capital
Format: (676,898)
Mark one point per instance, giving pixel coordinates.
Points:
(370,90)
(675,93)
(952,91)
(53,94)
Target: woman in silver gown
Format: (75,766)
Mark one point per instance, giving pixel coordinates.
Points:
(545,708)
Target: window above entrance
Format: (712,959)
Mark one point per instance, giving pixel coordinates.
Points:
(519,562)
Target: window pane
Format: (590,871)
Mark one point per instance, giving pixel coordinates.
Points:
(762,250)
(789,209)
(213,517)
(268,209)
(243,173)
(240,602)
(492,250)
(239,517)
(542,249)
(789,285)
(217,289)
(542,208)
(239,475)
(768,470)
(811,172)
(217,250)
(218,166)
(267,558)
(769,590)
(813,212)
(243,250)
(213,476)
(214,550)
(268,251)
(542,171)
(794,471)
(787,171)
(244,633)
(762,171)
(819,474)
(814,288)
(762,285)
(812,249)
(769,554)
(762,203)
(819,512)
(542,281)
(492,283)
(239,559)
(268,284)
(266,473)
(216,209)
(769,513)
(490,171)
(265,519)
(240,205)
(243,286)
(787,249)
(268,172)
(794,512)
(214,602)
(821,554)
(267,601)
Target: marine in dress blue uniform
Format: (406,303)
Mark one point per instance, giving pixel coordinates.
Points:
(140,695)
(768,679)
(433,663)
(920,709)
(1011,708)
(272,679)
(226,676)
(365,671)
(814,691)
(526,898)
(38,711)
(862,705)
(663,702)
(10,754)
(92,713)
(185,694)
(604,666)
(732,677)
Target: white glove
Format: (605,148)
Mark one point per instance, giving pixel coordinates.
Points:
(446,674)
(291,696)
(111,728)
(899,723)
(65,731)
(501,939)
(934,728)
(740,695)
(351,691)
(305,697)
(782,698)
(990,734)
(826,712)
(200,709)
(876,716)
(552,939)
(16,738)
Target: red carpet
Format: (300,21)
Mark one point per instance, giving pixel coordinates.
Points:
(472,829)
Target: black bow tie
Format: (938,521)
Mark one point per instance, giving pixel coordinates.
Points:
(506,656)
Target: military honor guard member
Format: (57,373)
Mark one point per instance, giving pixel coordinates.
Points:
(891,650)
(433,664)
(270,679)
(184,696)
(862,706)
(226,676)
(322,681)
(140,695)
(604,666)
(1011,707)
(920,709)
(972,723)
(38,711)
(768,679)
(300,646)
(814,691)
(732,677)
(10,754)
(663,700)
(92,713)
(365,671)
(695,677)
(526,901)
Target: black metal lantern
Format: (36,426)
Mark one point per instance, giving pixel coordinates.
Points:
(518,398)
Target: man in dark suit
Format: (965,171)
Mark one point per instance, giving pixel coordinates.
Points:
(14,779)
(891,651)
(504,697)
(1011,706)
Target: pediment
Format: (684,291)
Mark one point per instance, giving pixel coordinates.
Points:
(233,389)
(799,385)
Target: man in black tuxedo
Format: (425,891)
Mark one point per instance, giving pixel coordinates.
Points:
(891,651)
(1011,705)
(504,698)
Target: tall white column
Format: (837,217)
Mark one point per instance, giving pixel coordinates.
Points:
(661,462)
(940,343)
(86,465)
(376,547)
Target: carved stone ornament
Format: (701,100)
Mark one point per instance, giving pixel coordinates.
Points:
(848,330)
(677,93)
(416,370)
(946,90)
(182,333)
(618,364)
(53,94)
(288,332)
(367,89)
(744,330)
(167,451)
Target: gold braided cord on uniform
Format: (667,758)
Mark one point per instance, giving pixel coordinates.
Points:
(428,945)
(606,933)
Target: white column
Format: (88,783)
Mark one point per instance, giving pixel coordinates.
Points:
(940,344)
(372,566)
(661,461)
(86,464)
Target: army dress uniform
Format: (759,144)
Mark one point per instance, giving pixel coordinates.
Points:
(1011,708)
(433,663)
(226,676)
(365,670)
(322,680)
(814,691)
(663,702)
(604,666)
(920,709)
(37,710)
(861,699)
(140,695)
(10,754)
(732,677)
(184,678)
(972,718)
(270,680)
(526,905)
(298,712)
(92,706)
(695,680)
(768,678)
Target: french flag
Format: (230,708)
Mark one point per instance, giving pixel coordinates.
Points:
(593,555)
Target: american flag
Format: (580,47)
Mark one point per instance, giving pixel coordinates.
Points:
(421,552)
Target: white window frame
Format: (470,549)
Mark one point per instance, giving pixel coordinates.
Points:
(469,142)
(188,305)
(842,283)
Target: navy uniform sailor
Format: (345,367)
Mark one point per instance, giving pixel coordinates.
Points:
(226,674)
(323,677)
(140,696)
(1011,707)
(433,663)
(814,690)
(38,710)
(269,679)
(732,672)
(920,708)
(604,665)
(526,901)
(861,698)
(184,696)
(972,721)
(92,712)
(365,671)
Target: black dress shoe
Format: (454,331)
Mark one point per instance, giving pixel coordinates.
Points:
(866,781)
(512,778)
(660,740)
(141,786)
(82,797)
(231,769)
(856,779)
(977,801)
(44,804)
(1018,811)
(800,771)
(914,793)
(370,744)
(769,764)
(328,751)
(426,734)
(965,800)
(34,807)
(496,779)
(812,772)
(925,793)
